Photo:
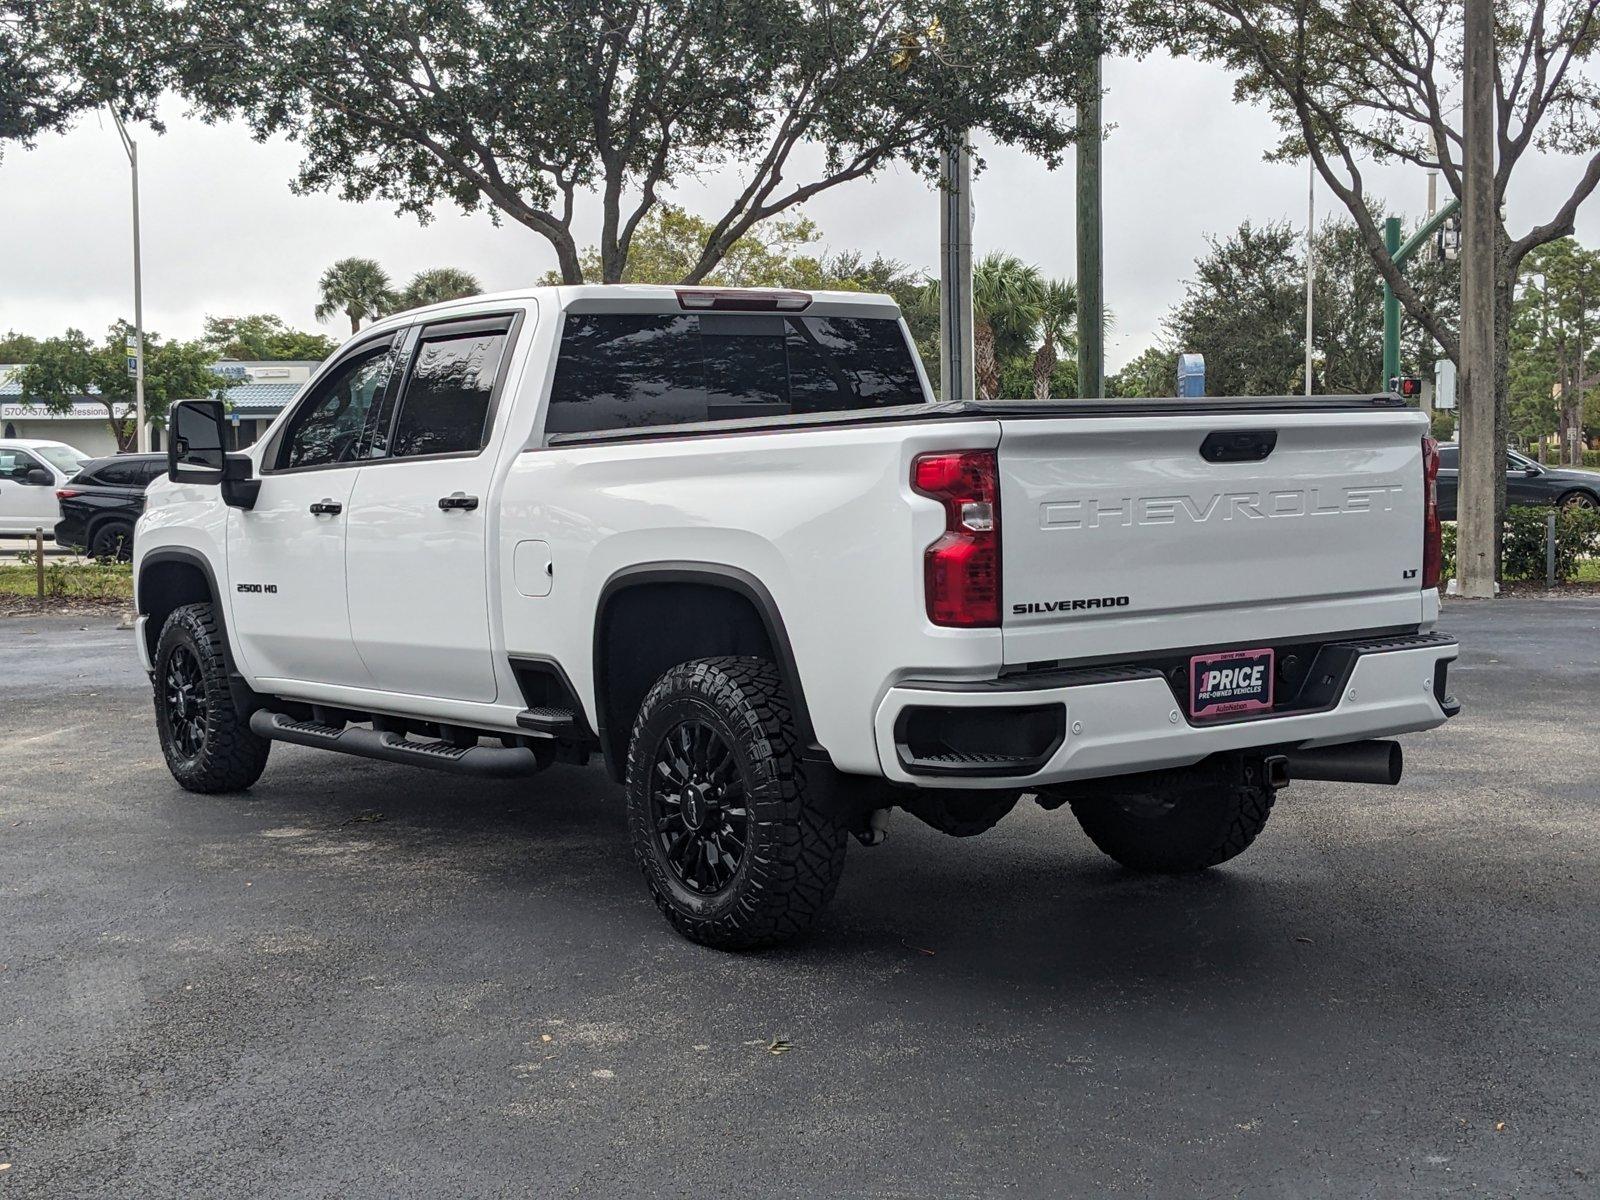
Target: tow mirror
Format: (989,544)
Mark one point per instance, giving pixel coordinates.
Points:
(195,442)
(196,452)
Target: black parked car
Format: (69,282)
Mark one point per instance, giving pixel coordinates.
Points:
(100,504)
(1526,483)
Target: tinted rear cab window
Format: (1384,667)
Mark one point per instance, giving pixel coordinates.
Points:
(629,371)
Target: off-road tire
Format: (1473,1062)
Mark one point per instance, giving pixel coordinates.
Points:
(962,813)
(793,855)
(229,758)
(1176,822)
(112,539)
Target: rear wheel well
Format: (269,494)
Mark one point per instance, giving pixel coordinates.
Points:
(646,628)
(166,585)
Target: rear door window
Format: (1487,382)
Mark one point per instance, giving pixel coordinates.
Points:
(628,371)
(446,403)
(121,474)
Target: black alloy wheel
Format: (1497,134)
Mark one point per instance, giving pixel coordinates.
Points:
(186,702)
(698,807)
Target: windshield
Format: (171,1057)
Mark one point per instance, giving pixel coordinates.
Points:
(1518,463)
(63,458)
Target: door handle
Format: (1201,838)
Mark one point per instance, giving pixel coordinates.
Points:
(458,500)
(328,508)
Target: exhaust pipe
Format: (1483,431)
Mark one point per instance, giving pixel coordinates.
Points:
(1353,762)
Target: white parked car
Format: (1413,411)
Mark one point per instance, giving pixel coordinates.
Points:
(30,472)
(728,541)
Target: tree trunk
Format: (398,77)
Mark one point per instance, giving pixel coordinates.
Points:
(1044,368)
(988,371)
(355,320)
(121,429)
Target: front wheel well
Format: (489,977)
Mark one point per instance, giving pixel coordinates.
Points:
(646,627)
(166,585)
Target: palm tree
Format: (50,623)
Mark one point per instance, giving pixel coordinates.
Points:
(437,286)
(1057,332)
(1008,301)
(357,287)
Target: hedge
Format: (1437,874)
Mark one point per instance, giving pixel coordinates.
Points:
(1523,550)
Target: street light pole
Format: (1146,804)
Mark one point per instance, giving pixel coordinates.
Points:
(141,430)
(1311,258)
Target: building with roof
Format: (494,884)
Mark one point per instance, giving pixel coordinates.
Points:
(261,392)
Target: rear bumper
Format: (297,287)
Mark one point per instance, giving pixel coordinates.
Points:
(1119,720)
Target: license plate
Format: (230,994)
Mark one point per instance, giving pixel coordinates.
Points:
(1237,681)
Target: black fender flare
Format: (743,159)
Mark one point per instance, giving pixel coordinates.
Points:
(730,579)
(244,697)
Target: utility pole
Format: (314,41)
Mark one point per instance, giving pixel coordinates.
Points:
(1091,284)
(1311,256)
(141,430)
(1482,462)
(957,357)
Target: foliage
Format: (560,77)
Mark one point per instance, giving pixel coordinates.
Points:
(263,337)
(101,581)
(1245,311)
(536,111)
(72,367)
(1057,334)
(1444,425)
(358,288)
(1153,373)
(435,287)
(1008,303)
(667,244)
(1554,375)
(17,347)
(1526,535)
(60,58)
(1447,539)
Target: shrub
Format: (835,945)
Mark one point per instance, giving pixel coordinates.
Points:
(1577,536)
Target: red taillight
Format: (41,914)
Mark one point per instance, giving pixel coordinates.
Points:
(67,493)
(1432,531)
(961,571)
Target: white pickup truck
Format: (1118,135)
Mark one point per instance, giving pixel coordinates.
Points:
(729,541)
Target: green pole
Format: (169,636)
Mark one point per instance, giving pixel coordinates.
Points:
(1400,255)
(1391,305)
(1091,293)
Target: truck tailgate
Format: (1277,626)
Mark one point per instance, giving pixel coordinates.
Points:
(1122,534)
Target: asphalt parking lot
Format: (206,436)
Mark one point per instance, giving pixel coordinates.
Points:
(362,980)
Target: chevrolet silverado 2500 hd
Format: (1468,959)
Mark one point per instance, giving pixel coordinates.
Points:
(728,541)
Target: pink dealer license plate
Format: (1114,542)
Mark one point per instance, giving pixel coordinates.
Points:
(1238,681)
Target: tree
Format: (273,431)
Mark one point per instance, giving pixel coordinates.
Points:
(435,287)
(1154,372)
(1058,320)
(1245,311)
(72,367)
(60,58)
(1555,351)
(17,347)
(667,244)
(1008,299)
(1381,79)
(263,337)
(358,288)
(534,111)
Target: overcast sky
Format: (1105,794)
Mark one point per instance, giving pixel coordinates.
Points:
(223,234)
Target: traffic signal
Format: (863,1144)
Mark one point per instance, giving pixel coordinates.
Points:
(1407,386)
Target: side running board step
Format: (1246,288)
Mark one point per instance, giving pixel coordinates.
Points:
(484,762)
(552,720)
